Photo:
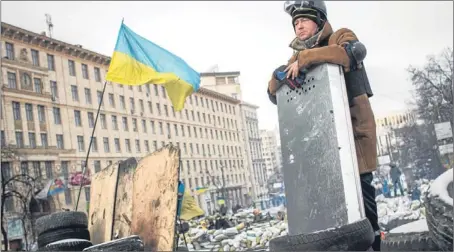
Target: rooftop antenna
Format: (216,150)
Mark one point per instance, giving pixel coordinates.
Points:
(50,26)
(213,69)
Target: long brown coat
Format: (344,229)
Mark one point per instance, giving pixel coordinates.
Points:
(362,116)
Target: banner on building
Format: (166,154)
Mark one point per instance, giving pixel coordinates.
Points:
(15,229)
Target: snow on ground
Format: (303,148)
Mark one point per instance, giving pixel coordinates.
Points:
(412,227)
(439,187)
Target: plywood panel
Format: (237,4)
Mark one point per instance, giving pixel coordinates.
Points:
(123,201)
(102,204)
(155,199)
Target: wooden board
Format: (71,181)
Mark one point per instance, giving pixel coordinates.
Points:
(102,204)
(123,201)
(155,199)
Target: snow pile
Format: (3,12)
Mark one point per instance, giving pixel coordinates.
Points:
(246,235)
(397,211)
(439,187)
(412,227)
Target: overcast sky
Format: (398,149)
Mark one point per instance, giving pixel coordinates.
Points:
(253,37)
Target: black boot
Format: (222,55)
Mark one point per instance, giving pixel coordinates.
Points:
(376,244)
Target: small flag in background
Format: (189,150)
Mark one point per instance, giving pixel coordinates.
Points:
(138,61)
(200,190)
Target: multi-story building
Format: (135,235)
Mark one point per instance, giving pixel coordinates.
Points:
(269,150)
(228,84)
(50,94)
(385,125)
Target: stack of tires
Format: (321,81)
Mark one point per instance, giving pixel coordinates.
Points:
(436,232)
(63,231)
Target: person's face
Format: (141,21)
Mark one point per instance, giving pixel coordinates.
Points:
(305,28)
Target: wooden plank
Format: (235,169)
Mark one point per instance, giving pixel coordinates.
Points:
(155,199)
(123,201)
(102,204)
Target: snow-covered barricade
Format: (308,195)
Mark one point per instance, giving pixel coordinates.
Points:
(397,211)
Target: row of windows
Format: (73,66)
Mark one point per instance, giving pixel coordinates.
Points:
(35,60)
(201,117)
(177,129)
(35,54)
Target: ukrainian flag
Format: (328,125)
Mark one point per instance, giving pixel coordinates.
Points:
(200,190)
(138,61)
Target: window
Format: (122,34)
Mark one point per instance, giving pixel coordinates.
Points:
(150,107)
(105,141)
(94,145)
(74,93)
(97,74)
(161,130)
(132,104)
(163,89)
(147,145)
(41,113)
(72,68)
(117,144)
(134,125)
(85,71)
(50,62)
(12,80)
(60,143)
(155,145)
(19,139)
(16,111)
(102,117)
(114,123)
(80,143)
(44,142)
(38,85)
(77,118)
(91,119)
(49,171)
(142,107)
(122,102)
(153,129)
(137,145)
(35,57)
(128,145)
(125,123)
(57,115)
(9,50)
(3,138)
(112,100)
(29,111)
(87,96)
(97,165)
(144,126)
(99,93)
(32,140)
(37,169)
(54,89)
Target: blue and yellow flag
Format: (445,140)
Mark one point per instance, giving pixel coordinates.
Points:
(199,190)
(188,207)
(138,61)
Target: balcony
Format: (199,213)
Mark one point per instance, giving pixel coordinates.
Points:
(39,150)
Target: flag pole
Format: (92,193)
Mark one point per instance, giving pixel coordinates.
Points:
(91,143)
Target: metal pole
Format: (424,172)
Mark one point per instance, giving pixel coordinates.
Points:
(89,146)
(223,185)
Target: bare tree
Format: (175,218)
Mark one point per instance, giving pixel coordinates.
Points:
(434,87)
(20,187)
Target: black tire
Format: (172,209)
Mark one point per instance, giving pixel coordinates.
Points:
(408,242)
(68,245)
(182,248)
(357,236)
(62,234)
(130,243)
(439,216)
(61,220)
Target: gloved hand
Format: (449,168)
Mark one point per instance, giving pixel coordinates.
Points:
(281,78)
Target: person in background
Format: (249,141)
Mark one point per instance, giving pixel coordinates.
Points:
(386,191)
(416,193)
(395,176)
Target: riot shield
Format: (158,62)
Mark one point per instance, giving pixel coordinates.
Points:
(320,167)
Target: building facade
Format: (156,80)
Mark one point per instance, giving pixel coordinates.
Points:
(50,94)
(228,84)
(269,150)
